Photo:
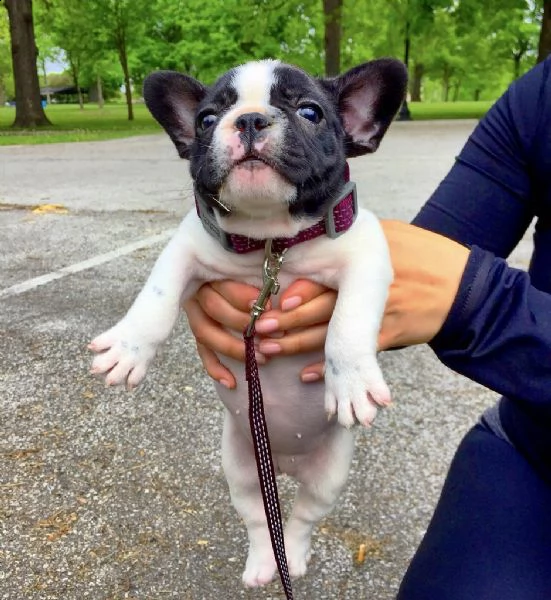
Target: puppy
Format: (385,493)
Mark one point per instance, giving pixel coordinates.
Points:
(267,146)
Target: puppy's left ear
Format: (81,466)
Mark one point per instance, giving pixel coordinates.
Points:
(172,99)
(368,97)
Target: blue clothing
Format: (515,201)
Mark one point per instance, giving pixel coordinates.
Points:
(498,333)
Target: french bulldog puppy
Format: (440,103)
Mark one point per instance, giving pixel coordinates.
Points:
(267,146)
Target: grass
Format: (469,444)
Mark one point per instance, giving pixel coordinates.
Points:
(71,124)
(422,111)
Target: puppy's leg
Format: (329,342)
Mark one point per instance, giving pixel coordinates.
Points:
(239,465)
(322,475)
(354,383)
(128,348)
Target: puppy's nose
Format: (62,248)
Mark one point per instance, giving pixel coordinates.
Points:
(250,124)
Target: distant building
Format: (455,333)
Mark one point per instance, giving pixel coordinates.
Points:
(63,94)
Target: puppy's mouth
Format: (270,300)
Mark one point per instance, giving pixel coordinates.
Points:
(254,161)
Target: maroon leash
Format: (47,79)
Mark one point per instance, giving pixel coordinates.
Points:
(257,420)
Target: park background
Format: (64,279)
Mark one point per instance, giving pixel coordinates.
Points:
(86,61)
(111,496)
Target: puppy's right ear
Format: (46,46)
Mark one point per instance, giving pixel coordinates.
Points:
(172,99)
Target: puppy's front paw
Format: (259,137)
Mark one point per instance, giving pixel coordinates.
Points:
(354,388)
(125,355)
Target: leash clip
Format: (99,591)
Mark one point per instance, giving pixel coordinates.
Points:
(270,284)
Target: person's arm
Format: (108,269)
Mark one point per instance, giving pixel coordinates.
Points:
(498,332)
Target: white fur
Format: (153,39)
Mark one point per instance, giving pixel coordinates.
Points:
(305,444)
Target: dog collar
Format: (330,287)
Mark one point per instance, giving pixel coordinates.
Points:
(339,218)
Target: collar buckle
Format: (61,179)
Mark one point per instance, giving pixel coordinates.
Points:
(332,230)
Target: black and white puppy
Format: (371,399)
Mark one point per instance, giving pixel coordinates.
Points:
(267,146)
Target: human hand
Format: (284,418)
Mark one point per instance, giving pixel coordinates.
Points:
(427,271)
(305,310)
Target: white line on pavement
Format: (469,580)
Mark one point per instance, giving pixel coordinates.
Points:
(100,259)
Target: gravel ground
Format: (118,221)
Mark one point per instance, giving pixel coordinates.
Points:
(107,495)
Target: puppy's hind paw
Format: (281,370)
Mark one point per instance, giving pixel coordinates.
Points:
(259,570)
(298,559)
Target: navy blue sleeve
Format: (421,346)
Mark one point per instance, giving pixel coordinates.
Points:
(490,195)
(498,332)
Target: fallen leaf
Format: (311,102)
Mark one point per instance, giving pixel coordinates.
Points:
(43,209)
(362,551)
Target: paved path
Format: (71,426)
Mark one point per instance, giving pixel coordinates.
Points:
(108,495)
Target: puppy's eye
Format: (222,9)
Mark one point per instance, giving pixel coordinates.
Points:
(312,112)
(207,120)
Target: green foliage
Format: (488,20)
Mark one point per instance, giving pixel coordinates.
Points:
(458,49)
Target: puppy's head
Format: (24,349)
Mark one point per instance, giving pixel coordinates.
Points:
(267,140)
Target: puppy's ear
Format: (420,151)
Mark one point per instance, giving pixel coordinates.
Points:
(172,99)
(368,97)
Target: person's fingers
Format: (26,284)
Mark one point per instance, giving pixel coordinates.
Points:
(300,292)
(316,311)
(296,342)
(209,333)
(220,310)
(215,368)
(313,373)
(239,295)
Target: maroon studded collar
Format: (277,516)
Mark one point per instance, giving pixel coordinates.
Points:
(339,218)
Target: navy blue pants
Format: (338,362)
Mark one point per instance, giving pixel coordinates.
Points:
(490,535)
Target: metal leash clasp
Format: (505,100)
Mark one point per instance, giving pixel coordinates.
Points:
(270,284)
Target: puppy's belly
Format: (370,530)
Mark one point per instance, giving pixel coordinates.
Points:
(295,411)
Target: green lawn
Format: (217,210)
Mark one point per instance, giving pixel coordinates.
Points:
(70,124)
(448,110)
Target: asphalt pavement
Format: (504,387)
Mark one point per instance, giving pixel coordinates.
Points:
(107,495)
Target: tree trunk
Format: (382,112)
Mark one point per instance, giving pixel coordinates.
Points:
(332,11)
(127,85)
(76,80)
(446,75)
(416,84)
(544,49)
(404,113)
(99,85)
(456,89)
(516,65)
(120,43)
(28,105)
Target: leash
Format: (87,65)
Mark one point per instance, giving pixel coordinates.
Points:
(257,420)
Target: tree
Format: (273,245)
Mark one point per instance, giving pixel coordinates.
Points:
(544,48)
(28,111)
(332,12)
(122,24)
